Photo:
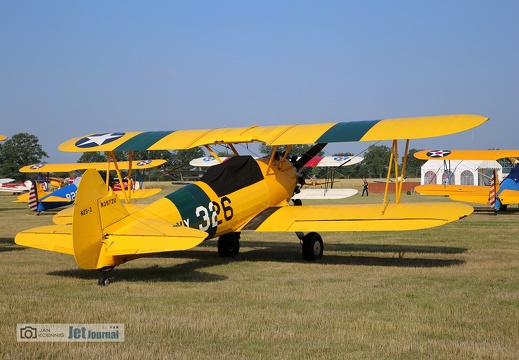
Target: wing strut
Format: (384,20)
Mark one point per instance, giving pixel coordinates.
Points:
(111,155)
(399,179)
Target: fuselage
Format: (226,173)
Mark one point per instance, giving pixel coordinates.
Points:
(68,193)
(228,195)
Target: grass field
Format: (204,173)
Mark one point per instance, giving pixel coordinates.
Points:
(450,292)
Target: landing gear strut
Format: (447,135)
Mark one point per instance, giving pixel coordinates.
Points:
(104,280)
(229,244)
(312,245)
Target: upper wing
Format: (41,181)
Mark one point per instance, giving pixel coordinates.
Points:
(3,137)
(123,165)
(358,217)
(465,154)
(371,130)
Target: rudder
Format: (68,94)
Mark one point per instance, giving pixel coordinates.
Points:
(96,208)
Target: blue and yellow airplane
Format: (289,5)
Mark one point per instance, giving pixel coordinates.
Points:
(40,200)
(499,197)
(238,195)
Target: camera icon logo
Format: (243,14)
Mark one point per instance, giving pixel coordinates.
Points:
(28,332)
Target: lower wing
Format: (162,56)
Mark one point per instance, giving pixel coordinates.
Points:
(509,197)
(465,193)
(368,217)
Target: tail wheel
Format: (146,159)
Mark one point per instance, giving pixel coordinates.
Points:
(229,244)
(312,247)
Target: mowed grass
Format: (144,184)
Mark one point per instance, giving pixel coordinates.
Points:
(441,293)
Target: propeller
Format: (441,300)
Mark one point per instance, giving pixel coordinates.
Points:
(299,164)
(313,151)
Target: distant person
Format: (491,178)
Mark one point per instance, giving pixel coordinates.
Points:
(365,188)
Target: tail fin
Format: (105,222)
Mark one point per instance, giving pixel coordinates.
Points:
(34,195)
(96,208)
(104,234)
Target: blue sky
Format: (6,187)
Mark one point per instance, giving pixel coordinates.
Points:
(70,68)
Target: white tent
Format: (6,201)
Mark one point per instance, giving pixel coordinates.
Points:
(460,172)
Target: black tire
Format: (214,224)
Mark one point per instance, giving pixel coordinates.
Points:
(312,247)
(229,244)
(104,281)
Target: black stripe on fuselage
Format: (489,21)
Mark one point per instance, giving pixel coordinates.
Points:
(260,218)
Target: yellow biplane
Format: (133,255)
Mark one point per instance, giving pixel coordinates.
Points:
(499,195)
(3,137)
(238,195)
(40,200)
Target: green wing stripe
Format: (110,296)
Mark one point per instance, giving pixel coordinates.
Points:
(143,141)
(187,200)
(347,131)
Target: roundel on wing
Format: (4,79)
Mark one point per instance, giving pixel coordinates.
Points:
(98,139)
(144,162)
(37,166)
(438,153)
(341,158)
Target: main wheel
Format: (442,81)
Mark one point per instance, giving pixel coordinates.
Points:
(229,244)
(312,247)
(104,280)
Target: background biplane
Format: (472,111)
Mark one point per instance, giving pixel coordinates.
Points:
(40,200)
(237,195)
(7,185)
(498,195)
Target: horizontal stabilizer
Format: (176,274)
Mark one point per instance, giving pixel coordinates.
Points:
(359,217)
(57,238)
(145,236)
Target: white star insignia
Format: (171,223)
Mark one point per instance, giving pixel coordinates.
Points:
(98,139)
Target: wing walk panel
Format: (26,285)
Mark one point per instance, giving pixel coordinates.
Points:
(143,140)
(347,131)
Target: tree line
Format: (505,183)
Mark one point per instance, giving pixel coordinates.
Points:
(24,149)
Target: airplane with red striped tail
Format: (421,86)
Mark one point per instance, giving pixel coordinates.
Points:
(499,197)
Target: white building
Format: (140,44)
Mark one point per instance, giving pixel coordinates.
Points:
(460,172)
